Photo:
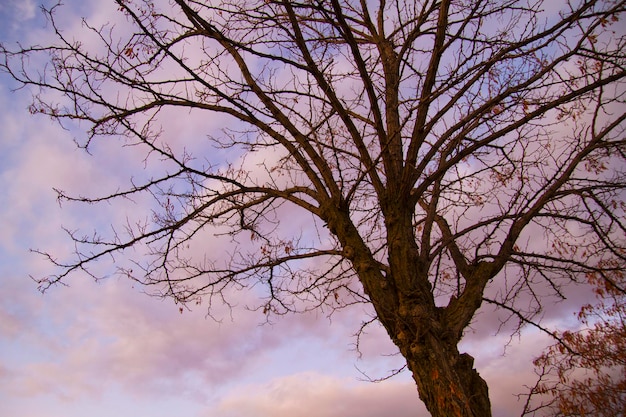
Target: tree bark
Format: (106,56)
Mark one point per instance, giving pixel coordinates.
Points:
(427,335)
(447,381)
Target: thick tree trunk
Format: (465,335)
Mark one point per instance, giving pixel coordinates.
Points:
(447,382)
(428,335)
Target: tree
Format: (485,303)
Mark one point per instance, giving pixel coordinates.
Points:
(586,374)
(451,154)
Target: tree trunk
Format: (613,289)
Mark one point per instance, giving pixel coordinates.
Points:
(428,335)
(447,382)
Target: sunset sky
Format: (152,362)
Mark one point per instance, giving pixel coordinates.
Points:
(107,349)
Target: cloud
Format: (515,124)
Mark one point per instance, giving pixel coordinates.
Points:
(123,337)
(87,338)
(506,365)
(18,10)
(312,394)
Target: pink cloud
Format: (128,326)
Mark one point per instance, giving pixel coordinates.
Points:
(312,394)
(107,334)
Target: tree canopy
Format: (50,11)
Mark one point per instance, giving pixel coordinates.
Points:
(424,157)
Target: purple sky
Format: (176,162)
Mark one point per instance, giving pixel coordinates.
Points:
(106,349)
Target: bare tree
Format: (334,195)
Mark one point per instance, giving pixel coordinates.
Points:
(451,153)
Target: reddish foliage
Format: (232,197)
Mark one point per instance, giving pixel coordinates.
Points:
(586,374)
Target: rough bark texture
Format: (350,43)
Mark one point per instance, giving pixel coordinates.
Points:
(448,384)
(426,335)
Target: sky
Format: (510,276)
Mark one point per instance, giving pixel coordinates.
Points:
(107,349)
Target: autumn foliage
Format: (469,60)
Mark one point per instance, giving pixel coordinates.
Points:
(585,374)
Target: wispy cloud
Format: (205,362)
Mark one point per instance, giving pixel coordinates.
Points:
(312,394)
